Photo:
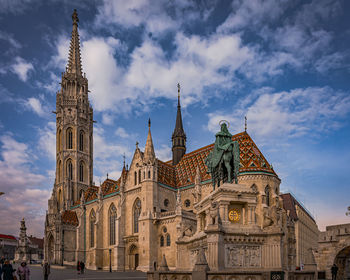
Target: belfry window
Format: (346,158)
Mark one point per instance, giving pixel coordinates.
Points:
(70,170)
(81,141)
(135,178)
(267,194)
(92,228)
(139,176)
(136,214)
(168,240)
(162,241)
(81,172)
(69,138)
(112,220)
(59,140)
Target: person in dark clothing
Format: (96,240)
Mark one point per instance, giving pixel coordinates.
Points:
(78,267)
(46,270)
(7,271)
(82,267)
(334,271)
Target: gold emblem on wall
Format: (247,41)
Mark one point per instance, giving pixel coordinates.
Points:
(234,215)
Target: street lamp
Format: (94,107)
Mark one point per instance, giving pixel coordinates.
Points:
(348,213)
(110,260)
(62,247)
(1,193)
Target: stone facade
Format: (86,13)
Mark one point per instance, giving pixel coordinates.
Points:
(158,210)
(334,247)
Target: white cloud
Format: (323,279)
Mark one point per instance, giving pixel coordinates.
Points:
(164,152)
(107,156)
(248,14)
(47,140)
(10,39)
(287,114)
(121,132)
(35,105)
(21,68)
(20,183)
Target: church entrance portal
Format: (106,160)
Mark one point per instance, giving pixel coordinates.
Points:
(133,257)
(342,260)
(50,249)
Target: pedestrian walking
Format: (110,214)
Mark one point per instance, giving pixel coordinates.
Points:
(7,271)
(78,267)
(82,267)
(46,270)
(23,271)
(334,271)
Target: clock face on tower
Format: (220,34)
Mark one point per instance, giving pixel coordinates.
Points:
(234,215)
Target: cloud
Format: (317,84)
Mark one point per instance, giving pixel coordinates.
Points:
(15,6)
(21,68)
(288,114)
(10,39)
(47,140)
(251,14)
(20,183)
(163,153)
(35,105)
(107,155)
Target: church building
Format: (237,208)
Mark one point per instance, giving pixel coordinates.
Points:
(160,210)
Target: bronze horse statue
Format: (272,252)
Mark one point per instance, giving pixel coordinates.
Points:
(223,160)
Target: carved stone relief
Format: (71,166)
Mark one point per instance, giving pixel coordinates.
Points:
(242,256)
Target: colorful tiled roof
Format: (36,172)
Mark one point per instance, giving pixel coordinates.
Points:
(91,193)
(252,160)
(70,217)
(5,236)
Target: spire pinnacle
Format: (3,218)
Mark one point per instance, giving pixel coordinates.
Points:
(74,60)
(149,149)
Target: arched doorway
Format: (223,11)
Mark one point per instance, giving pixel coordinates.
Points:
(133,257)
(342,260)
(50,249)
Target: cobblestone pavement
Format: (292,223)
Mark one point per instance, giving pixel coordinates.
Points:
(62,273)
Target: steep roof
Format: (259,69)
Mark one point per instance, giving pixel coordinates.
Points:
(70,217)
(289,203)
(183,174)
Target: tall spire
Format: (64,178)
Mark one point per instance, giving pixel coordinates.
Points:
(179,136)
(74,60)
(149,149)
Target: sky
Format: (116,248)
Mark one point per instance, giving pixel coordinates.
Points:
(284,64)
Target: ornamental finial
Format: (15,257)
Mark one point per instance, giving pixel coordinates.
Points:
(245,123)
(75,17)
(178,90)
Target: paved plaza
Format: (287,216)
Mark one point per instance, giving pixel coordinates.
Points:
(63,273)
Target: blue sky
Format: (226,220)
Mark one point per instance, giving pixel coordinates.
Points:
(283,64)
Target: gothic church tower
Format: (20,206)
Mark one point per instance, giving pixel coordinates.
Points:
(74,123)
(179,137)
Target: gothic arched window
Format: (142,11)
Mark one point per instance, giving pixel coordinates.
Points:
(267,194)
(149,174)
(81,141)
(162,241)
(135,181)
(139,176)
(136,214)
(81,172)
(70,169)
(168,240)
(92,228)
(59,172)
(69,138)
(112,218)
(59,140)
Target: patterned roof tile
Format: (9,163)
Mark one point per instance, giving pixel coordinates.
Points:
(70,217)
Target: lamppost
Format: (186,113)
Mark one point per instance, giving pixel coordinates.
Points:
(110,260)
(348,213)
(1,193)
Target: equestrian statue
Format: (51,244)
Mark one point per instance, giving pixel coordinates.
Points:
(223,160)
